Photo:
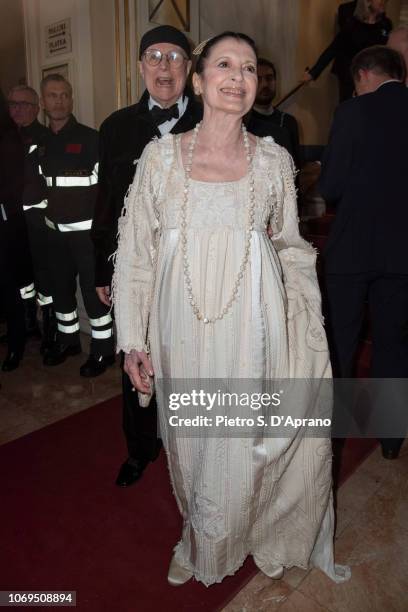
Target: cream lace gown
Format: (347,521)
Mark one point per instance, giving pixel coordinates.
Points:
(266,497)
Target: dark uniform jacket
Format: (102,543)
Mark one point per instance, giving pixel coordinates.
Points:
(364,172)
(68,161)
(33,134)
(15,265)
(123,137)
(35,187)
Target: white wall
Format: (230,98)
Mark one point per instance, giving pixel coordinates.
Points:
(273,24)
(12,54)
(40,13)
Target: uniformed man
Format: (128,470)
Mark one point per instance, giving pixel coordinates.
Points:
(68,161)
(24,108)
(15,264)
(166,106)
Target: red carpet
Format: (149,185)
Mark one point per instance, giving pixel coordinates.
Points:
(65,526)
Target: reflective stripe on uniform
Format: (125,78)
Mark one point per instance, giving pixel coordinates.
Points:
(27,292)
(43,300)
(101,321)
(72,181)
(101,335)
(50,223)
(69,227)
(67,316)
(42,204)
(68,329)
(32,148)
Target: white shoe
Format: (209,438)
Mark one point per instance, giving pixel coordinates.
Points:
(272,571)
(178,575)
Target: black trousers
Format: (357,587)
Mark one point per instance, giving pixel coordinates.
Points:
(71,254)
(387,296)
(15,272)
(139,423)
(37,235)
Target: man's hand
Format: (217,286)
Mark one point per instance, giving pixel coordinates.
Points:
(139,369)
(104,295)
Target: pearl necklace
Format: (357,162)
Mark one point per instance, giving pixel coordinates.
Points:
(183,231)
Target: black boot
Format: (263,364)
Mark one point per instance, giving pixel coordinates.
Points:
(31,323)
(96,365)
(59,353)
(12,361)
(49,328)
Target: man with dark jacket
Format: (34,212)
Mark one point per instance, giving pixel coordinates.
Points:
(364,175)
(15,263)
(166,106)
(266,120)
(24,108)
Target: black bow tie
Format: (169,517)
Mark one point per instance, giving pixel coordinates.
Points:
(160,115)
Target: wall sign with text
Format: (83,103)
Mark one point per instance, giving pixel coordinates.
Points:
(58,38)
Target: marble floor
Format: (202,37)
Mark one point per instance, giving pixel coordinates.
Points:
(372,506)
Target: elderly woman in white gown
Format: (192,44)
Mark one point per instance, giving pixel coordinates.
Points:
(197,274)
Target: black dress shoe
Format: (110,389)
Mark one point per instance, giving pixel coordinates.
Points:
(59,353)
(132,470)
(11,362)
(390,453)
(130,473)
(94,365)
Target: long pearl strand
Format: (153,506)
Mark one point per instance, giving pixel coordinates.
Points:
(183,231)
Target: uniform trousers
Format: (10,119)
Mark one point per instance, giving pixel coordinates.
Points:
(37,235)
(15,272)
(387,297)
(71,254)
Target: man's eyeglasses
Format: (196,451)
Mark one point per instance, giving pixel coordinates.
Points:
(22,105)
(153,57)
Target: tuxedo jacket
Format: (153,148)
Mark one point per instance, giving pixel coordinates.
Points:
(122,139)
(364,174)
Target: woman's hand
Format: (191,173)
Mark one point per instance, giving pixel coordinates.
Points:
(306,78)
(139,368)
(104,295)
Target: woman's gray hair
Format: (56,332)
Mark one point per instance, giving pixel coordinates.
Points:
(362,10)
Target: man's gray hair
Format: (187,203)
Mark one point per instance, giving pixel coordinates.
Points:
(50,78)
(30,90)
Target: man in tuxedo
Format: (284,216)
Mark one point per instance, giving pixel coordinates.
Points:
(166,106)
(366,259)
(266,120)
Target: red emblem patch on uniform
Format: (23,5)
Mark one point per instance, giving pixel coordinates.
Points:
(73,148)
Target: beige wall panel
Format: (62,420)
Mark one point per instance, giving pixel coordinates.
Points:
(103,53)
(12,50)
(273,24)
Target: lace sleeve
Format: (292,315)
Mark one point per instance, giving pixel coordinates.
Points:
(134,259)
(298,259)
